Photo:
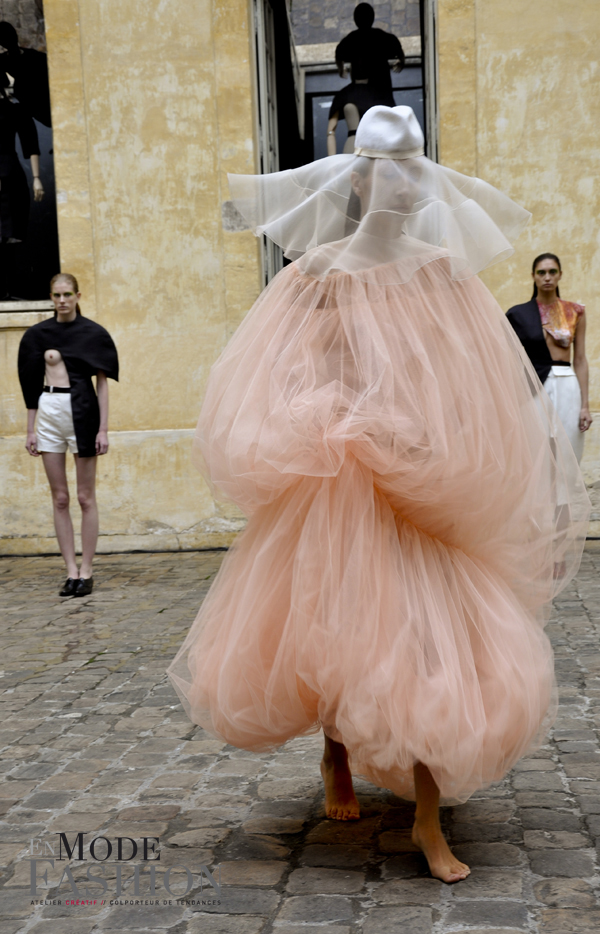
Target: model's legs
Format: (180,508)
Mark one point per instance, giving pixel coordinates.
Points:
(340,800)
(427,832)
(54,465)
(86,494)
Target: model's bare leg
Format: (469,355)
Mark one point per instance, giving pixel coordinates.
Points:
(54,464)
(340,800)
(427,832)
(86,494)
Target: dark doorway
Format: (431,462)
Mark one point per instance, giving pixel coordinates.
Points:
(29,254)
(319,30)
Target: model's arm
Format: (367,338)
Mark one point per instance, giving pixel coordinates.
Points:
(340,50)
(331,143)
(397,54)
(580,365)
(38,188)
(30,145)
(31,442)
(102,390)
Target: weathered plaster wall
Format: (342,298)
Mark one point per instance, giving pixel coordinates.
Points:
(152,106)
(519,106)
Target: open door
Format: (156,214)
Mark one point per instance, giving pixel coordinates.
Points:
(430,75)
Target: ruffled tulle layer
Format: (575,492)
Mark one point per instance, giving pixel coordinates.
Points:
(412,511)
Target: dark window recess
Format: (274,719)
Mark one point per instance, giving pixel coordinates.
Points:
(293,151)
(29,254)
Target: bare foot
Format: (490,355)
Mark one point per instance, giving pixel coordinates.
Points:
(442,862)
(560,569)
(340,800)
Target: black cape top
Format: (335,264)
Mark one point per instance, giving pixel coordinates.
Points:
(368,51)
(527,323)
(85,347)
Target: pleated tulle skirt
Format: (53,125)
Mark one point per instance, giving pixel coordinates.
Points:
(413,507)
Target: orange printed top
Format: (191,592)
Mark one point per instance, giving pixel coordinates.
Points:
(560,320)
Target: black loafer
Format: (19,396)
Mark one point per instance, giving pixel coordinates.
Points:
(84,587)
(68,587)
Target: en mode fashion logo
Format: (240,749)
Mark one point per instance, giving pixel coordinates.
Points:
(141,883)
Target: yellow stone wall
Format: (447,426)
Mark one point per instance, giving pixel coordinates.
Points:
(152,105)
(520,108)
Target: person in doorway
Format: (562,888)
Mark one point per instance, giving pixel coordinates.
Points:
(57,360)
(29,69)
(375,418)
(369,52)
(14,188)
(549,328)
(349,104)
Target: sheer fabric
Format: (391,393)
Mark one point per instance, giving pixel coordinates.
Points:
(413,507)
(369,211)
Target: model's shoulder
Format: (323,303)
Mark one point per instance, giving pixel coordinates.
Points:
(517,309)
(40,329)
(92,327)
(348,39)
(45,325)
(384,35)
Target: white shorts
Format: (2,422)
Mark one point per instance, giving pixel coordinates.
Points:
(54,430)
(563,389)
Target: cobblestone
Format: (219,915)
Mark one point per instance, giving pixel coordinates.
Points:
(93,739)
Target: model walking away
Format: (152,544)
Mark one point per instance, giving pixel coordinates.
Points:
(548,327)
(57,360)
(376,419)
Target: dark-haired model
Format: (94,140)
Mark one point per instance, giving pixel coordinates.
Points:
(548,327)
(57,360)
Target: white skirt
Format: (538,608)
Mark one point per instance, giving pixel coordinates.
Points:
(55,432)
(563,390)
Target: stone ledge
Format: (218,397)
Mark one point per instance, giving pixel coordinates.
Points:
(150,496)
(21,315)
(323,53)
(124,544)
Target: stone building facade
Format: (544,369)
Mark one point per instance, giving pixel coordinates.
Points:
(152,105)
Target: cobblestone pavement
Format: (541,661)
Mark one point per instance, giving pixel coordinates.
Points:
(93,739)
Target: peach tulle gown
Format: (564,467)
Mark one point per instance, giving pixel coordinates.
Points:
(411,509)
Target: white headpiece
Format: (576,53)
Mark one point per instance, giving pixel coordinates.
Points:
(389,133)
(385,204)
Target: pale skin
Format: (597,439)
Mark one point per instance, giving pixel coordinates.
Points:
(340,801)
(352,118)
(547,276)
(65,301)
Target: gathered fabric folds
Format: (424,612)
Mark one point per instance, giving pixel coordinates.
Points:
(413,507)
